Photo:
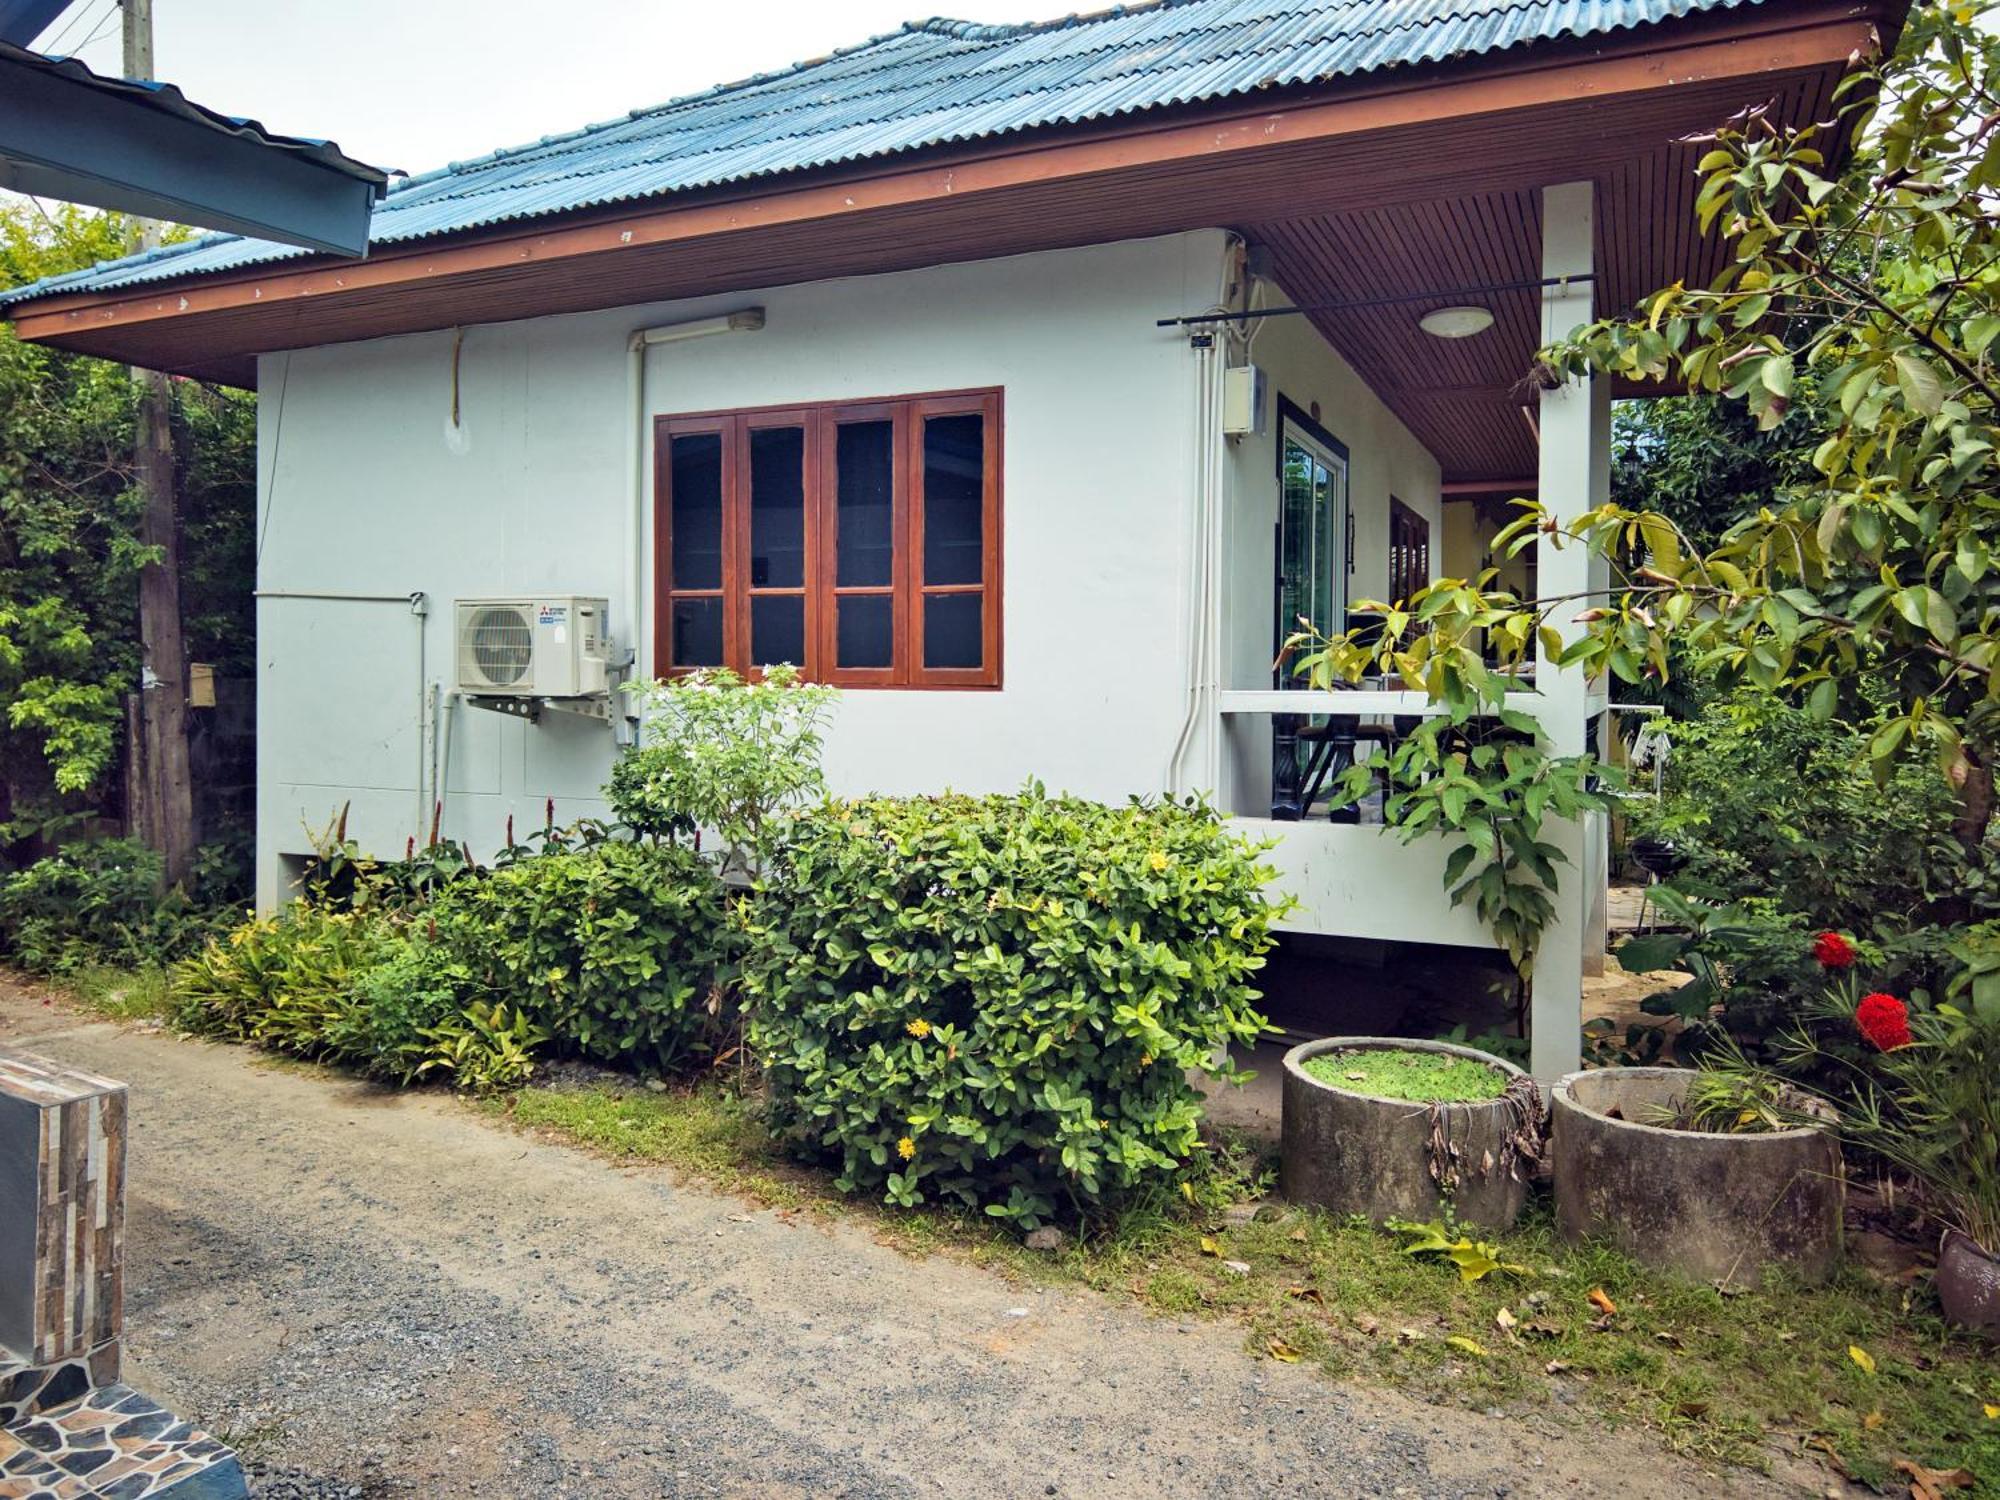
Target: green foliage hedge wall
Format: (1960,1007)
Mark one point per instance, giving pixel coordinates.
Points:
(613,949)
(997,1000)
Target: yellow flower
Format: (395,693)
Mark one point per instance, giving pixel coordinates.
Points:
(919,1027)
(1159,861)
(906,1148)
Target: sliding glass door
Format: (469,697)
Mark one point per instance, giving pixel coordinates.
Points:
(1311,581)
(1312,532)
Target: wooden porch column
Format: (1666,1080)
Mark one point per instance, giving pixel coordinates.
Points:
(1575,474)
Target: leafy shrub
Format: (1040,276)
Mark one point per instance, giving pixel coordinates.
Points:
(612,950)
(1769,802)
(484,1047)
(407,997)
(290,982)
(99,902)
(998,999)
(723,754)
(354,988)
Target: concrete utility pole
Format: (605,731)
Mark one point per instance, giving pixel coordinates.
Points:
(164,816)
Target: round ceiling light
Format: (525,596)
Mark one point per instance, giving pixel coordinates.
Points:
(1456,322)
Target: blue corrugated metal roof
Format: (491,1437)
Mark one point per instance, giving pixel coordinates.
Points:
(169,100)
(932,83)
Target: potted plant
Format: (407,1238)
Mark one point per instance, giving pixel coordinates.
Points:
(1927,1104)
(1709,1174)
(1394,1129)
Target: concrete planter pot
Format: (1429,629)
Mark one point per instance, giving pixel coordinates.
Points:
(1355,1153)
(1711,1207)
(1968,1284)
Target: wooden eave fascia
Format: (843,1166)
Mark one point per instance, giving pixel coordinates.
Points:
(1768,40)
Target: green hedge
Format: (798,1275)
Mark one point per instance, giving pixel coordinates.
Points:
(613,949)
(997,1000)
(608,952)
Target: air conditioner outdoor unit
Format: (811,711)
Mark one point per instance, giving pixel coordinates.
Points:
(545,646)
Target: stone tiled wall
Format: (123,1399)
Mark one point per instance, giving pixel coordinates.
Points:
(62,1208)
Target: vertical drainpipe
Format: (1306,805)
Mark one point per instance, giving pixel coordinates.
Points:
(1194,625)
(420,609)
(1200,733)
(626,730)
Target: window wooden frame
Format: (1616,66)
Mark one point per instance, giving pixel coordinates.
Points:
(1409,552)
(908,588)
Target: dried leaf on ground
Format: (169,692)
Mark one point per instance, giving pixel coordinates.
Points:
(1601,1300)
(1933,1484)
(1209,1246)
(1470,1346)
(1861,1357)
(1873,1421)
(1821,1443)
(1506,1322)
(1279,1349)
(1306,1294)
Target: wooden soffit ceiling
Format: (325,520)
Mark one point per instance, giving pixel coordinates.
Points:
(1423,180)
(1466,399)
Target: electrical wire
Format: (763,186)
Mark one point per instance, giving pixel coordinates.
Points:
(49,47)
(103,29)
(271,478)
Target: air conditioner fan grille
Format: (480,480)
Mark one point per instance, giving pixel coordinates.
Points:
(502,646)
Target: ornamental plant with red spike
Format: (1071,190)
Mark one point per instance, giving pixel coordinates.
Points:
(1833,951)
(1884,1021)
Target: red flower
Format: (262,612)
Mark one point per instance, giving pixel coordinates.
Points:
(1884,1020)
(1833,951)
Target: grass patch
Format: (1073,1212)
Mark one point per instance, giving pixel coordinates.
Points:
(1729,1377)
(120,994)
(1426,1077)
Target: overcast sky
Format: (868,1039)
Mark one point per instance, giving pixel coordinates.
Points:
(412,84)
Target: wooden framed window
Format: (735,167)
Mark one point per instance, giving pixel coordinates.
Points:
(858,540)
(1409,551)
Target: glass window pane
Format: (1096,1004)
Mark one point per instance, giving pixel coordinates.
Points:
(777,630)
(697,637)
(953,628)
(954,498)
(777,509)
(695,483)
(864,627)
(864,457)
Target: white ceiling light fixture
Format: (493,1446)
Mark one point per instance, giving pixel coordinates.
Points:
(1456,322)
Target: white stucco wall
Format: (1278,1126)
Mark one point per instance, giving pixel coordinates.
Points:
(366,487)
(1384,459)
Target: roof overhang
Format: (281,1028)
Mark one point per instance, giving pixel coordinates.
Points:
(144,148)
(1484,132)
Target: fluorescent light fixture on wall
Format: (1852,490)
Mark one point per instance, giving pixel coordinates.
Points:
(743,320)
(1456,322)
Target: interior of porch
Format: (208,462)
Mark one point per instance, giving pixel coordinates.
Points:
(1391,461)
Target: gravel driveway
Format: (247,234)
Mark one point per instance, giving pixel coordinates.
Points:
(379,1294)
